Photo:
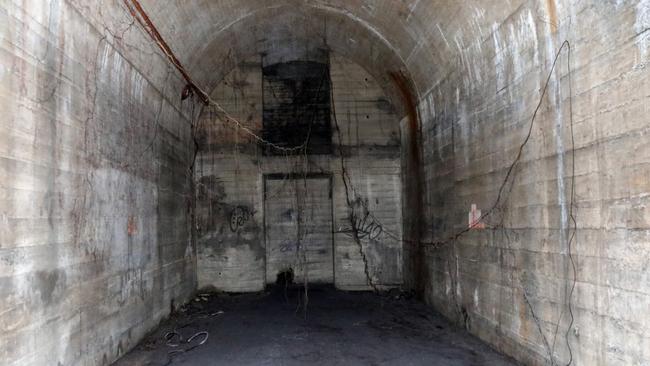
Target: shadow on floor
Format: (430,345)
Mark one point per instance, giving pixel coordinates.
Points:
(338,328)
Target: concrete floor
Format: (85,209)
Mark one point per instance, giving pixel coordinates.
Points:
(341,328)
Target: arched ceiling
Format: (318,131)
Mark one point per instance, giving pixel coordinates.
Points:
(419,38)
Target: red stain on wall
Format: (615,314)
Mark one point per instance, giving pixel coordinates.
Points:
(475,218)
(131,226)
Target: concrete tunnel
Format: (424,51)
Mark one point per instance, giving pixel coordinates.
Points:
(324,182)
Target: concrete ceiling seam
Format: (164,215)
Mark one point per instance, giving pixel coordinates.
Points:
(365,24)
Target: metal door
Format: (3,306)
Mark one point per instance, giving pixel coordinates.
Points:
(298,227)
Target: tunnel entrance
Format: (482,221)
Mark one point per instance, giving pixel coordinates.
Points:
(298,227)
(488,158)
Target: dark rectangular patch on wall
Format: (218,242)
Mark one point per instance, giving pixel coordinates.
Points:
(297,106)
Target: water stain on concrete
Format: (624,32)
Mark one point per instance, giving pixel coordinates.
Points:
(49,284)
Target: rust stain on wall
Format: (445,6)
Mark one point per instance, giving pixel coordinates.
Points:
(132,226)
(413,181)
(552,14)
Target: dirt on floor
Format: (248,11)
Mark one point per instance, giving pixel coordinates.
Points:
(335,328)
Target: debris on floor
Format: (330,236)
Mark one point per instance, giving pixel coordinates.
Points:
(341,328)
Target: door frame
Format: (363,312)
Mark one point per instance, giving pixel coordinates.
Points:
(290,176)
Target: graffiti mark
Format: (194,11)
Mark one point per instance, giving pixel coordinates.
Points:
(238,217)
(366,226)
(288,246)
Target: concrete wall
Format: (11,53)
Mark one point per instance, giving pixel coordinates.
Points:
(230,170)
(94,184)
(510,282)
(82,90)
